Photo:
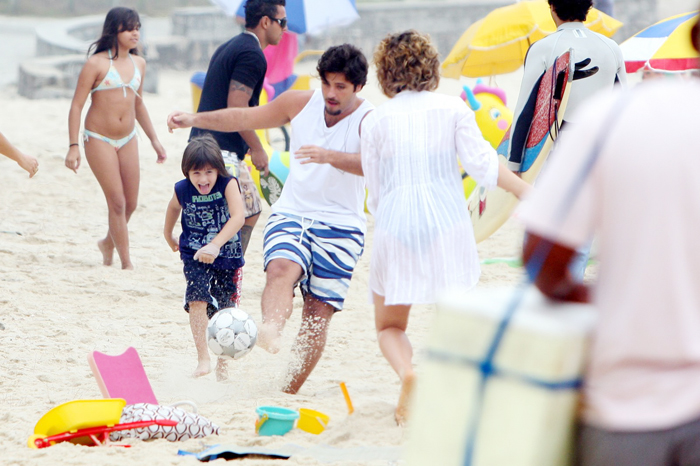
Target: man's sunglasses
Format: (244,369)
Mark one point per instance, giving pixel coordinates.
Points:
(281,21)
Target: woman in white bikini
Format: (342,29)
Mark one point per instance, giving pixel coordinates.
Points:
(110,124)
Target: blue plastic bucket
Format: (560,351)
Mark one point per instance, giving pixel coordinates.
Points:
(273,420)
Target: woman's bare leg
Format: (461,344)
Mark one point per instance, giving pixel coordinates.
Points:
(119,176)
(391,323)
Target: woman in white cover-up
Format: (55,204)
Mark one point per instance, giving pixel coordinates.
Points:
(423,237)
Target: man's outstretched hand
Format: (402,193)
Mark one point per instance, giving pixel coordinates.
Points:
(179,119)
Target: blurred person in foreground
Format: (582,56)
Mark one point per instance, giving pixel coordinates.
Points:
(423,238)
(641,399)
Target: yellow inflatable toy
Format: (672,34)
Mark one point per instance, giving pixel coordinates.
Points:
(492,117)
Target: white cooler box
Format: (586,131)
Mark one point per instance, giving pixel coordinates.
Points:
(519,410)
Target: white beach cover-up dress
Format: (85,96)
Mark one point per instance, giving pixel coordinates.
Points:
(423,237)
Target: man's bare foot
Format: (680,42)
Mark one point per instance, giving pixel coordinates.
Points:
(221,370)
(203,368)
(128,266)
(107,252)
(402,409)
(268,338)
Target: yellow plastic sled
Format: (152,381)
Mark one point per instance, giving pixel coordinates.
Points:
(83,421)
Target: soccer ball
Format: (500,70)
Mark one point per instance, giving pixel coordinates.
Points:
(231,333)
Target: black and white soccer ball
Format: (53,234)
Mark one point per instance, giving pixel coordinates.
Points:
(231,333)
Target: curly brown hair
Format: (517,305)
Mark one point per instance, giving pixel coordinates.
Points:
(407,61)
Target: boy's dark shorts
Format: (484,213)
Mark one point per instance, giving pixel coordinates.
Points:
(205,283)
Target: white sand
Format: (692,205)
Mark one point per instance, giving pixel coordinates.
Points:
(58,303)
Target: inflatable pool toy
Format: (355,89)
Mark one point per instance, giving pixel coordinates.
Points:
(196,86)
(270,186)
(532,136)
(492,117)
(489,106)
(83,422)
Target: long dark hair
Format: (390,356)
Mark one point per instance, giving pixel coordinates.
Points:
(119,19)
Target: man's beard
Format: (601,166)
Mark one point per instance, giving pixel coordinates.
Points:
(332,113)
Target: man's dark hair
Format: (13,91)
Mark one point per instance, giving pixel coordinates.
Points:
(571,10)
(255,10)
(346,59)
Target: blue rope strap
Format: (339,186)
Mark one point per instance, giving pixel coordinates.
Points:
(489,370)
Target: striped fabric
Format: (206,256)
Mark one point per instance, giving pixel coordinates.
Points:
(326,253)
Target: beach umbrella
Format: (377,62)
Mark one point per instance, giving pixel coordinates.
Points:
(664,46)
(305,16)
(498,42)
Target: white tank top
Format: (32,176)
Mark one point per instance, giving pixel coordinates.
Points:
(320,191)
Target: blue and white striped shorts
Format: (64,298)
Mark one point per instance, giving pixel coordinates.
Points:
(326,253)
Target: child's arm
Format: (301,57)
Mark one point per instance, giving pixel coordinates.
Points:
(25,161)
(174,209)
(145,120)
(209,252)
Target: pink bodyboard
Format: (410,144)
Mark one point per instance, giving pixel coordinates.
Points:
(122,376)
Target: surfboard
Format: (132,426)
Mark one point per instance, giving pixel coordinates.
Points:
(533,137)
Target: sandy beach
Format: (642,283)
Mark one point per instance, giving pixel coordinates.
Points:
(58,303)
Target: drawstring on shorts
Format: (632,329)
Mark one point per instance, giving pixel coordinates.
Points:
(304,228)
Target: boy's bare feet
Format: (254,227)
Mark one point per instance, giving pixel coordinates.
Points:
(203,368)
(268,338)
(402,409)
(221,370)
(107,252)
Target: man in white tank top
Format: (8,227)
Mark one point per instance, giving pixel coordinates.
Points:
(315,234)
